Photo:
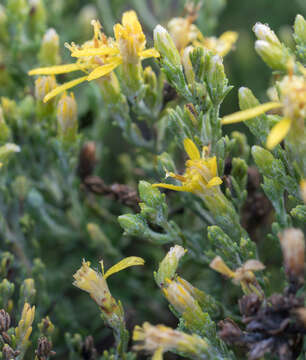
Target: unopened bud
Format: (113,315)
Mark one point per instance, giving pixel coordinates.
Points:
(150,78)
(87,13)
(303,190)
(188,65)
(67,120)
(87,159)
(168,266)
(180,298)
(37,18)
(275,56)
(263,32)
(301,314)
(7,150)
(5,132)
(293,247)
(46,327)
(43,85)
(3,25)
(165,45)
(18,10)
(134,225)
(28,291)
(5,320)
(49,50)
(300,30)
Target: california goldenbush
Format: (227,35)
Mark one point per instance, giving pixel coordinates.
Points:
(138,166)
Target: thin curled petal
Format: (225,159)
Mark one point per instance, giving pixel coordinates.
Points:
(149,53)
(64,87)
(171,187)
(104,69)
(127,262)
(58,69)
(214,182)
(278,133)
(191,149)
(249,113)
(95,51)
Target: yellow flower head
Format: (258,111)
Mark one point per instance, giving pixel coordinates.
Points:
(159,339)
(201,173)
(244,275)
(292,100)
(220,46)
(95,283)
(101,55)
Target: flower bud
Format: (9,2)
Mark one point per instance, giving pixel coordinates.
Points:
(165,45)
(4,36)
(300,30)
(5,321)
(49,50)
(293,247)
(24,328)
(43,85)
(180,298)
(168,266)
(263,32)
(134,225)
(188,65)
(37,17)
(28,291)
(160,338)
(5,132)
(275,56)
(67,119)
(87,13)
(18,11)
(303,190)
(7,150)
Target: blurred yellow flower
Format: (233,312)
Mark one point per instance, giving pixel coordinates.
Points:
(102,55)
(201,172)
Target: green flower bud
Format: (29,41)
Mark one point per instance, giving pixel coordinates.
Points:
(7,150)
(165,45)
(49,50)
(134,225)
(275,56)
(27,291)
(4,36)
(37,17)
(263,32)
(21,187)
(189,73)
(87,13)
(6,292)
(263,159)
(18,11)
(5,132)
(168,266)
(300,30)
(67,119)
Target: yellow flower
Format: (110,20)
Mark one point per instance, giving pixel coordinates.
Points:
(243,275)
(24,328)
(201,172)
(159,339)
(220,46)
(95,283)
(102,55)
(293,103)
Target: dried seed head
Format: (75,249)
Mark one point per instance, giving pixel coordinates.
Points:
(301,314)
(87,159)
(44,348)
(5,320)
(8,353)
(293,247)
